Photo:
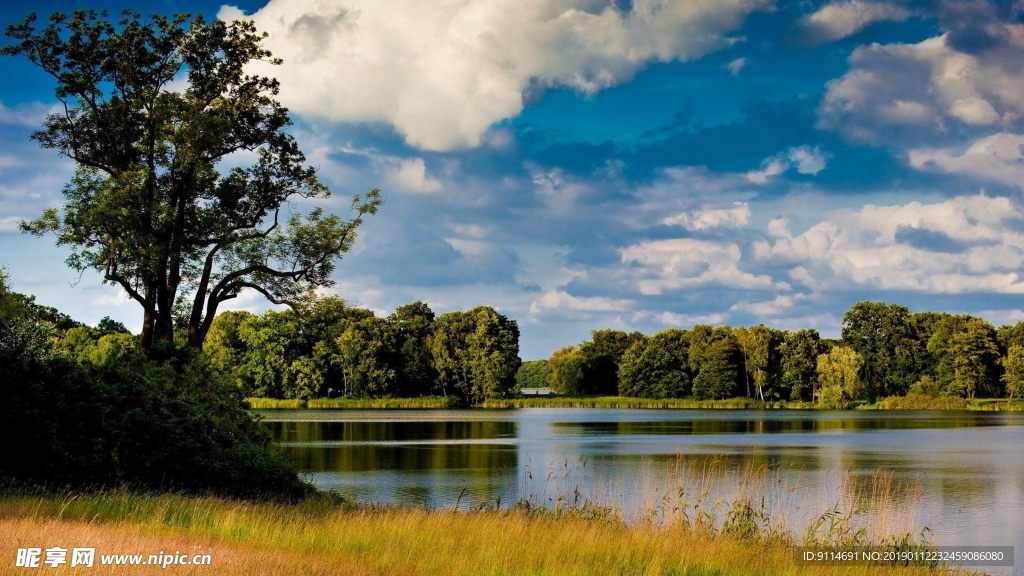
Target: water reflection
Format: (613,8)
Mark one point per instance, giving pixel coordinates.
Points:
(964,467)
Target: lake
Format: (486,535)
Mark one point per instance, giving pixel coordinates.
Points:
(960,474)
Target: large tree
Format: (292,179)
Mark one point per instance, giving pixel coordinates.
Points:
(151,110)
(884,337)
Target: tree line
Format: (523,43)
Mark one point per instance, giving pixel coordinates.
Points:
(885,350)
(334,350)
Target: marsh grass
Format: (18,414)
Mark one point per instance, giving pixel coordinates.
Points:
(355,403)
(325,536)
(624,402)
(755,501)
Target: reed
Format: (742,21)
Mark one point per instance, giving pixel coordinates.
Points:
(355,403)
(624,402)
(322,536)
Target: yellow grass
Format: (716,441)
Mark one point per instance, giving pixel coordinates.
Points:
(320,537)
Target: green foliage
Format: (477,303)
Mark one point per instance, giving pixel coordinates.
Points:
(719,363)
(102,414)
(601,356)
(362,351)
(975,357)
(799,351)
(533,374)
(1013,376)
(885,337)
(412,324)
(839,382)
(926,386)
(148,207)
(656,367)
(565,371)
(475,354)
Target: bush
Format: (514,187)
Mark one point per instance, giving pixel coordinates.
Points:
(113,417)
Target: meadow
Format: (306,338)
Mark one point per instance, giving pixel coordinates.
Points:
(323,535)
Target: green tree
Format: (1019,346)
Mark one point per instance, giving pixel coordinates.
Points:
(565,368)
(268,342)
(412,324)
(799,351)
(719,371)
(601,356)
(475,354)
(533,374)
(148,206)
(884,337)
(1013,375)
(839,381)
(975,357)
(362,353)
(758,345)
(657,367)
(944,327)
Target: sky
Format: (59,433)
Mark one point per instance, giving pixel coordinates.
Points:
(639,165)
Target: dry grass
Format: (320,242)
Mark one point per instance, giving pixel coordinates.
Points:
(320,537)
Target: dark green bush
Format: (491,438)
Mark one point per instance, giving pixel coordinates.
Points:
(118,418)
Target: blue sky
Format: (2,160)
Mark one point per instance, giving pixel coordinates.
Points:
(584,164)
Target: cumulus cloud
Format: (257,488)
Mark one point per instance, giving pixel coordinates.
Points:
(900,93)
(965,244)
(442,73)
(843,18)
(410,174)
(687,320)
(666,265)
(707,218)
(805,159)
(997,158)
(561,300)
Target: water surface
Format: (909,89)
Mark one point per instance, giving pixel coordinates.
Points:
(960,473)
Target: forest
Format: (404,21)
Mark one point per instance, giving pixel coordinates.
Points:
(884,350)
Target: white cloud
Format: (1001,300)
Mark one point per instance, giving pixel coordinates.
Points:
(561,300)
(410,174)
(707,218)
(687,320)
(998,157)
(772,308)
(896,92)
(443,72)
(10,223)
(805,159)
(736,66)
(965,244)
(808,160)
(665,265)
(770,167)
(843,18)
(29,114)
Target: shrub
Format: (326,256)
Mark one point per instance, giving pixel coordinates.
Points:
(113,417)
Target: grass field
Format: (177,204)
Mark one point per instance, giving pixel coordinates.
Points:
(321,536)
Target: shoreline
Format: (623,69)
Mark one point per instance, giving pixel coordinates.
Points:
(619,402)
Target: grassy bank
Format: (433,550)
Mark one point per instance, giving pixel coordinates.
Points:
(355,403)
(624,402)
(324,537)
(559,401)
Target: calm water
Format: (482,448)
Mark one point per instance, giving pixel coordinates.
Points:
(961,474)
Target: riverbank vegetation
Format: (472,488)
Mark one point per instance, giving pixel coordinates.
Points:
(886,356)
(324,536)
